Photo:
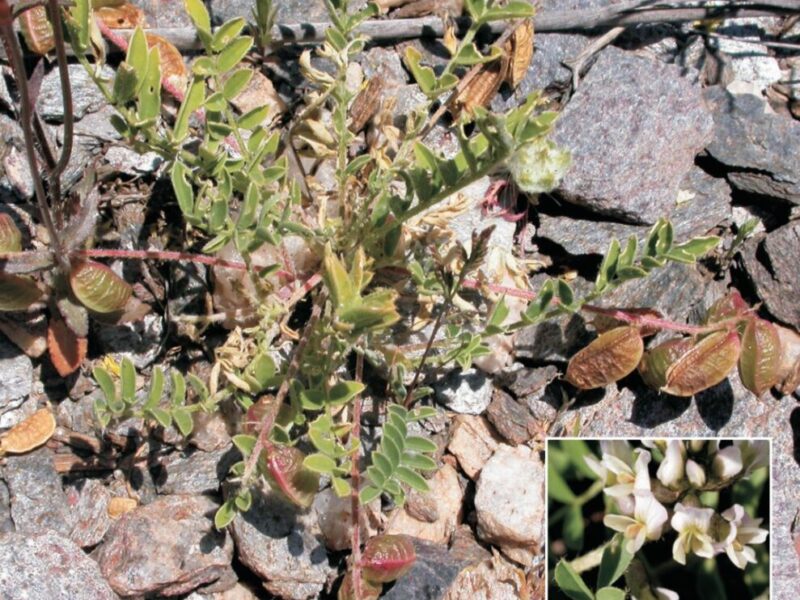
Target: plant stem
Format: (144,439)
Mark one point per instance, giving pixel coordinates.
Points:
(54,14)
(355,484)
(269,417)
(589,560)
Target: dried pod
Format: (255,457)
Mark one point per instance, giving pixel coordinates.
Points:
(483,86)
(612,356)
(656,361)
(118,506)
(255,414)
(284,465)
(387,557)
(366,104)
(98,288)
(37,30)
(730,306)
(31,433)
(704,365)
(173,69)
(369,589)
(789,370)
(760,357)
(125,16)
(603,323)
(67,350)
(521,53)
(10,236)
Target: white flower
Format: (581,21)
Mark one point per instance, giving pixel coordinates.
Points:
(646,523)
(671,470)
(665,594)
(619,448)
(623,469)
(696,445)
(695,474)
(747,531)
(538,166)
(692,525)
(755,454)
(727,462)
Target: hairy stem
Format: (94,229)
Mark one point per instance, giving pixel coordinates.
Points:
(355,484)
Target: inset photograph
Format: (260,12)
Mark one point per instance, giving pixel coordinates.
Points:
(658,519)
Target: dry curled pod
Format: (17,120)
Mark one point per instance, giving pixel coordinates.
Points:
(656,361)
(483,86)
(125,16)
(704,365)
(366,104)
(521,53)
(118,506)
(31,433)
(760,357)
(612,356)
(789,369)
(387,557)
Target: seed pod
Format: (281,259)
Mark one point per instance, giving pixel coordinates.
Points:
(612,356)
(387,557)
(125,16)
(98,288)
(789,370)
(284,464)
(31,433)
(521,53)
(704,365)
(760,358)
(37,30)
(118,506)
(366,104)
(173,69)
(656,361)
(482,88)
(727,307)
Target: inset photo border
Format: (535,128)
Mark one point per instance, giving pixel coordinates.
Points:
(658,519)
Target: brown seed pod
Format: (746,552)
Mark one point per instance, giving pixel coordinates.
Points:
(483,86)
(366,104)
(31,433)
(521,53)
(612,356)
(118,506)
(37,30)
(125,16)
(706,364)
(173,69)
(760,358)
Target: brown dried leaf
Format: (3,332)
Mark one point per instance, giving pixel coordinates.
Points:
(521,53)
(704,365)
(37,30)
(656,361)
(118,506)
(481,89)
(125,16)
(612,356)
(31,433)
(760,358)
(366,104)
(173,69)
(67,350)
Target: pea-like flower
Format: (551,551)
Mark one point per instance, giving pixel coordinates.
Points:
(747,532)
(672,468)
(695,474)
(665,594)
(646,523)
(727,463)
(755,454)
(693,527)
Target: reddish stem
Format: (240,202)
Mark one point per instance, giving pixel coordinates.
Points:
(355,484)
(639,319)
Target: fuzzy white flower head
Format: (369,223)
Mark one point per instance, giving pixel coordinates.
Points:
(671,470)
(646,523)
(755,454)
(695,474)
(727,463)
(538,166)
(692,525)
(747,531)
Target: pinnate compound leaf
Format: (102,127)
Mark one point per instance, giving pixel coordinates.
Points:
(706,364)
(17,292)
(298,483)
(387,557)
(571,583)
(29,434)
(67,350)
(612,356)
(10,235)
(98,288)
(760,358)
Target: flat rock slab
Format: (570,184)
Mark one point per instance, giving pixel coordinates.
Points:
(38,502)
(283,546)
(759,149)
(48,567)
(194,472)
(88,499)
(704,202)
(86,97)
(167,548)
(633,128)
(772,267)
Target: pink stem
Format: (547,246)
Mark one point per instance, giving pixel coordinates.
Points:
(638,319)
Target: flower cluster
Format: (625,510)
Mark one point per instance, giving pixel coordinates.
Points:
(649,506)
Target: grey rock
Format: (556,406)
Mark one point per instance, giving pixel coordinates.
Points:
(6,522)
(466,392)
(194,472)
(289,11)
(38,502)
(140,340)
(167,548)
(88,499)
(633,128)
(772,267)
(750,62)
(705,203)
(170,13)
(509,502)
(283,547)
(433,572)
(753,145)
(78,415)
(385,63)
(16,375)
(85,95)
(48,566)
(129,162)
